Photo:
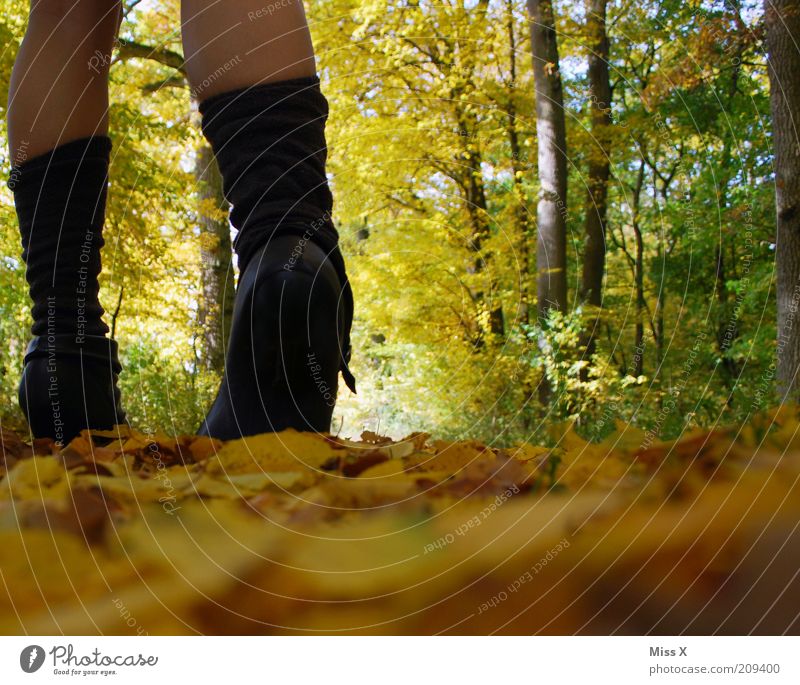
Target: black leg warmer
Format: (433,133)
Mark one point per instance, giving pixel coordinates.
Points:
(71,367)
(290,335)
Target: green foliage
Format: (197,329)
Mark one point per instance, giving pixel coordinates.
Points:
(578,385)
(161,392)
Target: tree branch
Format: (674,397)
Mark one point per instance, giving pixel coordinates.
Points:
(171,82)
(128,49)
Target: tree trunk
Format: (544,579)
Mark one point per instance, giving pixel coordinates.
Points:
(551,252)
(638,342)
(728,325)
(782,18)
(215,309)
(594,255)
(517,168)
(661,302)
(478,212)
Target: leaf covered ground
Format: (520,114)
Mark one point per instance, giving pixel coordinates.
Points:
(124,533)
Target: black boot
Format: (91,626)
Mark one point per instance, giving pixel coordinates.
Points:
(290,335)
(70,378)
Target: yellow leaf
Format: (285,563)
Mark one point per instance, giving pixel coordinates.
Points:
(286,451)
(37,478)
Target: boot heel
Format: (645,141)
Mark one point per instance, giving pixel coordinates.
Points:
(304,320)
(285,349)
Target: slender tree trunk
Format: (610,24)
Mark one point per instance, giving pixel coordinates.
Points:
(521,212)
(517,168)
(661,297)
(477,209)
(782,18)
(216,304)
(522,221)
(594,255)
(728,326)
(551,253)
(659,313)
(638,342)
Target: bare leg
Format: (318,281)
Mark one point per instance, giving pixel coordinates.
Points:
(230,44)
(59,85)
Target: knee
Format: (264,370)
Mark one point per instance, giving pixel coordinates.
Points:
(84,15)
(83,30)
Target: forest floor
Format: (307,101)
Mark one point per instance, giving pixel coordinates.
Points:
(124,533)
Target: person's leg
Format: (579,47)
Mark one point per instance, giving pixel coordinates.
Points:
(251,66)
(59,85)
(57,122)
(230,44)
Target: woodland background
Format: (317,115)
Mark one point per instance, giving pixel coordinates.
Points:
(433,160)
